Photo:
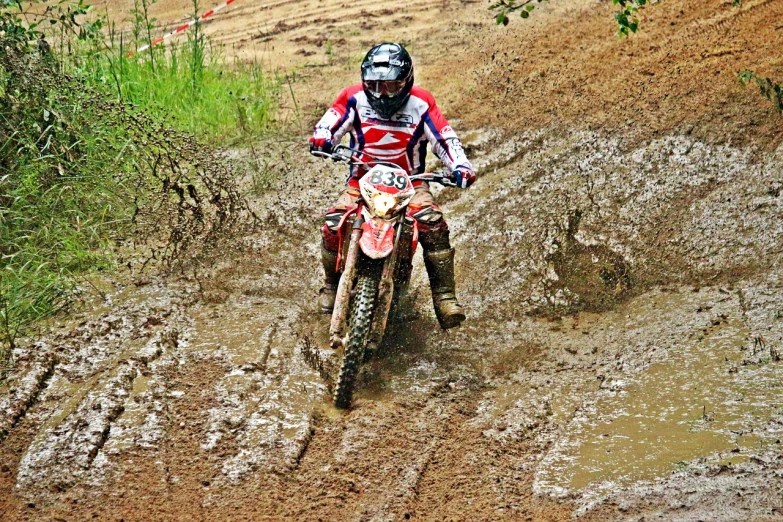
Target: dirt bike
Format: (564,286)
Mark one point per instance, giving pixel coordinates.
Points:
(377,241)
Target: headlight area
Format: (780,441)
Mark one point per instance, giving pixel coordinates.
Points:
(382,204)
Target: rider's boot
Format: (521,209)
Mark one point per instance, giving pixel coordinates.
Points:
(328,292)
(440,269)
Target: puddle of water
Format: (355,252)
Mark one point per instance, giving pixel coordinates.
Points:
(140,385)
(129,428)
(699,402)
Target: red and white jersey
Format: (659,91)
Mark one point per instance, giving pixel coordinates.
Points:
(402,139)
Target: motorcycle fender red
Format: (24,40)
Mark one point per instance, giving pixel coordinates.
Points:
(377,239)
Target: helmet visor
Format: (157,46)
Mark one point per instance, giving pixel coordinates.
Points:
(389,88)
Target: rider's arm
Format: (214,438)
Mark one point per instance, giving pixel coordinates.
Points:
(339,118)
(445,143)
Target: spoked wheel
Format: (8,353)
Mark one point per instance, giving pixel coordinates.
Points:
(359,325)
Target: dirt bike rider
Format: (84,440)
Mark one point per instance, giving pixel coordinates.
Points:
(390,119)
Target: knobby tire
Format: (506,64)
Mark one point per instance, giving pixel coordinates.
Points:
(360,322)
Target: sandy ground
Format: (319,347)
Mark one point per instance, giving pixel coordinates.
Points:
(619,258)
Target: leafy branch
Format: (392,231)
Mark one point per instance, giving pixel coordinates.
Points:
(504,7)
(769,89)
(21,23)
(626,19)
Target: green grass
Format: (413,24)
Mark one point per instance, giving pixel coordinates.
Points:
(62,200)
(91,153)
(190,83)
(219,103)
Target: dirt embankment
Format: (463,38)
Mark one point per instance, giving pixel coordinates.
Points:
(619,258)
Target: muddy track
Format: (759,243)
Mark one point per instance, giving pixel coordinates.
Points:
(622,354)
(208,400)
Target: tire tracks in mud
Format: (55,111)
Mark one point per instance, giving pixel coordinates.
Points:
(298,27)
(25,394)
(78,386)
(722,21)
(281,23)
(71,439)
(368,465)
(664,44)
(263,405)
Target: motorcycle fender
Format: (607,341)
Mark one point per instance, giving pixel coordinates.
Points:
(377,239)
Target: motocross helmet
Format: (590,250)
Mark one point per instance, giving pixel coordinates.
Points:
(387,78)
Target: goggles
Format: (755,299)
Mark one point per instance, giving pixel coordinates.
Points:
(379,88)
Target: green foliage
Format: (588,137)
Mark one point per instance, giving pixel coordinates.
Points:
(502,9)
(87,162)
(205,97)
(83,173)
(626,19)
(61,193)
(190,83)
(769,89)
(12,26)
(23,23)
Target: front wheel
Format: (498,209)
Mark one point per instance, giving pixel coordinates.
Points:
(360,322)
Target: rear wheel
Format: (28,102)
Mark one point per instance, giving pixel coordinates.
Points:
(358,332)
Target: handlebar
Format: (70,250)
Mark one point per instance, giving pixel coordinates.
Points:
(443,177)
(348,155)
(339,154)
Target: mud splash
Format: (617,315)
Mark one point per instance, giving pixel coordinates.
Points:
(628,199)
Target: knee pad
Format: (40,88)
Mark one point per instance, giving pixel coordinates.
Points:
(329,230)
(433,230)
(429,216)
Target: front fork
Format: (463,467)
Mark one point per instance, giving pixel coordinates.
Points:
(384,301)
(385,297)
(343,298)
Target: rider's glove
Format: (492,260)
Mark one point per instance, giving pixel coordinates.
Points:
(321,141)
(463,177)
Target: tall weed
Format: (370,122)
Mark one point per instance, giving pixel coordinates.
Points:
(89,160)
(62,196)
(192,82)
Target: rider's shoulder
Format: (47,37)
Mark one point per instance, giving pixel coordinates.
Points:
(423,94)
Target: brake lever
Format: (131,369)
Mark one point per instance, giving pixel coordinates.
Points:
(444,179)
(332,156)
(441,179)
